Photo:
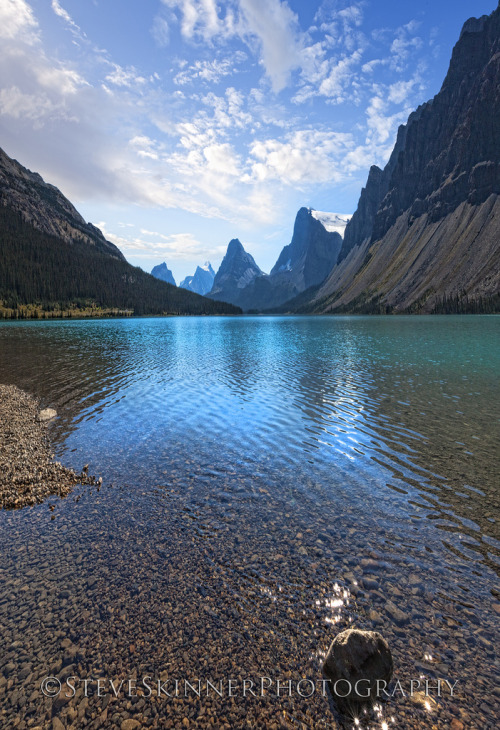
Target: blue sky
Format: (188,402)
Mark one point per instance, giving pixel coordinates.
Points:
(176,125)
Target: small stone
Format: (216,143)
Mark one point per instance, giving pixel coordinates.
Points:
(47,414)
(130,724)
(369,563)
(456,724)
(375,616)
(57,724)
(423,700)
(396,614)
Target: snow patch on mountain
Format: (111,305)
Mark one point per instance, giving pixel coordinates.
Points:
(332,221)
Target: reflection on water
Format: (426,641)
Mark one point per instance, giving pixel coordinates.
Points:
(408,405)
(358,449)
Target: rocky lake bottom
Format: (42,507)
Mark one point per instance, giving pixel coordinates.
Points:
(267,483)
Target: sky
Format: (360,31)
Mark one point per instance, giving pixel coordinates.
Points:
(176,125)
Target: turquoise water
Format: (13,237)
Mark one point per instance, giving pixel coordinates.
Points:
(366,436)
(372,403)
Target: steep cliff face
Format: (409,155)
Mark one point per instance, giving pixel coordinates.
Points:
(452,148)
(237,270)
(359,229)
(312,251)
(163,273)
(427,225)
(45,208)
(301,264)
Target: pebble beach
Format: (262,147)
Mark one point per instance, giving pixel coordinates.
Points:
(28,473)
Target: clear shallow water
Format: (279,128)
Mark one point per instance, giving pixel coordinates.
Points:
(277,454)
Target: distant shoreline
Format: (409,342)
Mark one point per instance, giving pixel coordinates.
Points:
(122,315)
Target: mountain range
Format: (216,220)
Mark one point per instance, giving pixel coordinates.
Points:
(301,264)
(424,236)
(45,208)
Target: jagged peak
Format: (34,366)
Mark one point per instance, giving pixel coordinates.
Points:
(234,247)
(304,212)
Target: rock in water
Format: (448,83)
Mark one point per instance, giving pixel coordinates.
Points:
(47,414)
(355,662)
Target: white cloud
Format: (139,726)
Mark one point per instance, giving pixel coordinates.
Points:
(352,15)
(339,77)
(222,160)
(381,125)
(370,66)
(59,80)
(209,171)
(124,76)
(177,246)
(404,44)
(160,31)
(269,23)
(210,71)
(145,147)
(17,20)
(399,92)
(62,13)
(37,108)
(305,157)
(277,29)
(200,18)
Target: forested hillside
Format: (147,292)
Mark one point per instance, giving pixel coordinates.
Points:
(40,269)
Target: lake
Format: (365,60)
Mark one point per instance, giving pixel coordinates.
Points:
(267,482)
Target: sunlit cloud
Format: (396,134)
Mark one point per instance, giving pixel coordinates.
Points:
(240,124)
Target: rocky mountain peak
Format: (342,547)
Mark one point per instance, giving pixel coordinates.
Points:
(474,25)
(163,273)
(312,251)
(202,281)
(234,248)
(237,271)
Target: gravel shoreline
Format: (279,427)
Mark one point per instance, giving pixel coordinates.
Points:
(28,474)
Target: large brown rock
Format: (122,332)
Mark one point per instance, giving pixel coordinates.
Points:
(355,662)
